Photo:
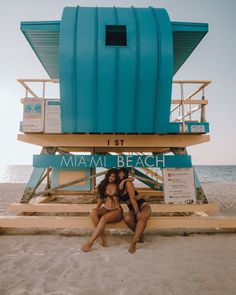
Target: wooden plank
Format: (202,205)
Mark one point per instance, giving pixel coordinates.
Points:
(22,82)
(144,192)
(188,113)
(115,149)
(47,207)
(38,80)
(132,149)
(192,222)
(192,101)
(85,222)
(109,140)
(205,82)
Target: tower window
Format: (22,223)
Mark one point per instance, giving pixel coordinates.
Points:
(116,35)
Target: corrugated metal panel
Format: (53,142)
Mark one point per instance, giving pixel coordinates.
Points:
(44,40)
(184,45)
(186,37)
(98,82)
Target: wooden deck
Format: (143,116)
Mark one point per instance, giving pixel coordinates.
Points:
(118,142)
(86,208)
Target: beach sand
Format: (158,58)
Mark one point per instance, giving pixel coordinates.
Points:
(54,264)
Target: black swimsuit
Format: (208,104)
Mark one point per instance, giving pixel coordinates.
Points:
(125,198)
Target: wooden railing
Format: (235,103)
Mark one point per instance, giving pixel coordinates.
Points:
(183,107)
(37,82)
(182,110)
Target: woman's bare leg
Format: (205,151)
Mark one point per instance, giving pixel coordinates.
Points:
(95,220)
(130,221)
(110,217)
(140,227)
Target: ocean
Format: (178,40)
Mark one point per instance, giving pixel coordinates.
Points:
(206,173)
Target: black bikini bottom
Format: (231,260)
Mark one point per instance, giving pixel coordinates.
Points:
(139,202)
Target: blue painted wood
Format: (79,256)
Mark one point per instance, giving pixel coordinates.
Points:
(84,77)
(116,88)
(35,177)
(95,71)
(165,72)
(148,65)
(40,26)
(116,73)
(191,27)
(105,74)
(128,69)
(196,180)
(67,69)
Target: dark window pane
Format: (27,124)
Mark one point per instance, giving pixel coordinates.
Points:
(116,35)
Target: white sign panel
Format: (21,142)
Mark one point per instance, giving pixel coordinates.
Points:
(179,186)
(198,129)
(33,115)
(52,116)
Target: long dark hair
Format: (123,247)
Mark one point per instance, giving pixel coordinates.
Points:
(126,175)
(125,171)
(103,184)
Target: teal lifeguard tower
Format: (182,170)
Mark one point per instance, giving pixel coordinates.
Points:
(115,69)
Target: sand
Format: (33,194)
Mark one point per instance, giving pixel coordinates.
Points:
(54,264)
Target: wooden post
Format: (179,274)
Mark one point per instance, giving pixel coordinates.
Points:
(93,172)
(203,111)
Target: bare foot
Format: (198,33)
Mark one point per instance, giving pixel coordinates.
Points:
(86,247)
(141,240)
(103,241)
(132,248)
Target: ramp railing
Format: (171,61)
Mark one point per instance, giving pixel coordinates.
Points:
(192,99)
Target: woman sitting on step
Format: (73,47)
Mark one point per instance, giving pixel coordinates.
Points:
(139,209)
(110,212)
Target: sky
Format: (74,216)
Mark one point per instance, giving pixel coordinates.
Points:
(214,59)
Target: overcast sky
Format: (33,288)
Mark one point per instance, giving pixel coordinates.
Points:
(214,59)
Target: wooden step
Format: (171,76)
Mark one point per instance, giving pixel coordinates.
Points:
(144,192)
(85,222)
(85,208)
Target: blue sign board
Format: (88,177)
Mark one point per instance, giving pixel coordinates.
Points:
(109,161)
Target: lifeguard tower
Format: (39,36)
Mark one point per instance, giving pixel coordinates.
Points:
(115,69)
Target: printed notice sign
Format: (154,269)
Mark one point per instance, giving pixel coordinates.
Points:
(33,114)
(198,129)
(179,186)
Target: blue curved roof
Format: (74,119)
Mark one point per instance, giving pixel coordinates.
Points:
(43,37)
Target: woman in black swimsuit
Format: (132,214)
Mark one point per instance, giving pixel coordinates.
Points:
(111,212)
(139,209)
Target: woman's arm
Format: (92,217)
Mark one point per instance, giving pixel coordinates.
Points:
(99,203)
(131,191)
(122,183)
